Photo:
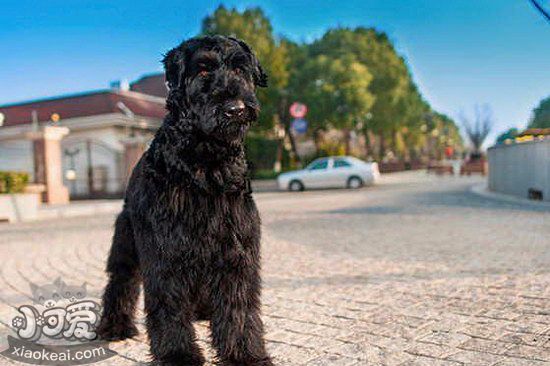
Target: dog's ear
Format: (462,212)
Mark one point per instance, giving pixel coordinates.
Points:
(260,77)
(174,66)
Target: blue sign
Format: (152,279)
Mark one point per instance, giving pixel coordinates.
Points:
(299,125)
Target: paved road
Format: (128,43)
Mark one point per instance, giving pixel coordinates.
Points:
(417,271)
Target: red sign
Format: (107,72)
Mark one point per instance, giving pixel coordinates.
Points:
(298,110)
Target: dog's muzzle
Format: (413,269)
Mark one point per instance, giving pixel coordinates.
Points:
(234,109)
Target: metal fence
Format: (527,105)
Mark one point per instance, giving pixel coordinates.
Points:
(521,169)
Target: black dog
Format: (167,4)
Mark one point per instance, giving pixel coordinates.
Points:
(190,230)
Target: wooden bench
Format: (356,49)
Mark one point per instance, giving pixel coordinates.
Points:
(474,167)
(440,169)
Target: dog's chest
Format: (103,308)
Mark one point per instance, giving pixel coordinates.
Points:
(215,222)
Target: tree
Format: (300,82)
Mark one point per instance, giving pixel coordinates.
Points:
(479,128)
(391,86)
(507,135)
(541,115)
(337,91)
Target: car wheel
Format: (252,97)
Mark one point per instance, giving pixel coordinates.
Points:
(355,182)
(295,186)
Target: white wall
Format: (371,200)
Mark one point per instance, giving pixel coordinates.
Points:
(516,168)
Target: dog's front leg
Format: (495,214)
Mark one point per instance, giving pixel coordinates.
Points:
(171,333)
(122,291)
(237,329)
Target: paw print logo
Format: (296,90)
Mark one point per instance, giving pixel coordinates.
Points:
(18,322)
(40,320)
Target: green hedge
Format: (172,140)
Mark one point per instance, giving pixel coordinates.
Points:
(264,174)
(261,152)
(13,182)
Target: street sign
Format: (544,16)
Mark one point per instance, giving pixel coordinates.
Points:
(299,125)
(298,110)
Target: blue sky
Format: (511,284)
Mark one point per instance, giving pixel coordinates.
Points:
(461,52)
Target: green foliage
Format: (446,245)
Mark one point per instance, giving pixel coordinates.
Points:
(336,89)
(443,132)
(382,98)
(264,174)
(374,50)
(13,182)
(507,135)
(541,115)
(261,152)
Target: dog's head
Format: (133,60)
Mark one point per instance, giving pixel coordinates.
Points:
(212,82)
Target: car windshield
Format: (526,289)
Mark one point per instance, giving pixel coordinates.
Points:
(318,164)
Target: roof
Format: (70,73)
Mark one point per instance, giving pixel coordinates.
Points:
(83,105)
(152,84)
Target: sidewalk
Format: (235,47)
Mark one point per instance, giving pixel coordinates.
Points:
(462,281)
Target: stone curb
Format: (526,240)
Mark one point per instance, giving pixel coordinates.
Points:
(82,208)
(483,191)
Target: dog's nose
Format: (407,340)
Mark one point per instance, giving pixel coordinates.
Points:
(234,108)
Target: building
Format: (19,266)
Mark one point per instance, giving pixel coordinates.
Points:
(152,84)
(108,131)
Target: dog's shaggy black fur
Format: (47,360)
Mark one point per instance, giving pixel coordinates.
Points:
(190,230)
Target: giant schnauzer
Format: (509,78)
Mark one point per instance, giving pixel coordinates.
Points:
(189,229)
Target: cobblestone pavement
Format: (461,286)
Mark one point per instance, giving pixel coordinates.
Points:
(416,271)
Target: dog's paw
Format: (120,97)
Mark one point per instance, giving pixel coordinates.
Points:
(108,331)
(192,359)
(262,362)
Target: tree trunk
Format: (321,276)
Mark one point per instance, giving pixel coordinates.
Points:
(382,147)
(368,144)
(316,140)
(394,141)
(284,117)
(347,141)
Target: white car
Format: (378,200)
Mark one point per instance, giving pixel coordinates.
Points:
(330,172)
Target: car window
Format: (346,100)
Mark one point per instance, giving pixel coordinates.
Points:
(317,165)
(340,163)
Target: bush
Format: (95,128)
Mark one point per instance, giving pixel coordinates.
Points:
(261,152)
(13,182)
(264,174)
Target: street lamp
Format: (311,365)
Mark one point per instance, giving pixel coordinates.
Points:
(71,173)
